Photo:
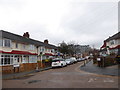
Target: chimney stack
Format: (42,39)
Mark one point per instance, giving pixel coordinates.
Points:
(46,41)
(26,35)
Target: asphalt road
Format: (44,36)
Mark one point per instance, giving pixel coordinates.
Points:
(66,77)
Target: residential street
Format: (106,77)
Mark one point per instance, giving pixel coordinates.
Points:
(66,77)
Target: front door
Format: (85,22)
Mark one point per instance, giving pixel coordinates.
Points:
(16,64)
(15,60)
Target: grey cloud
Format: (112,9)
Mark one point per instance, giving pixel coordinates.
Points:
(92,21)
(85,23)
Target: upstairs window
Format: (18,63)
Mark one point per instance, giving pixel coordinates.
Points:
(31,47)
(7,43)
(49,50)
(112,42)
(16,45)
(52,50)
(41,49)
(1,42)
(24,46)
(45,49)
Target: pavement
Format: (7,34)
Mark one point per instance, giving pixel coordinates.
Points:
(93,68)
(23,74)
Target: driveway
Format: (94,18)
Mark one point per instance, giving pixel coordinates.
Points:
(92,68)
(66,77)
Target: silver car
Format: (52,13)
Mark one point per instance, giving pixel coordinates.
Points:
(68,61)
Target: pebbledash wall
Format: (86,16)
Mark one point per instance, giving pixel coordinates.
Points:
(21,53)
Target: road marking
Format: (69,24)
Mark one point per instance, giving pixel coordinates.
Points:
(91,80)
(108,80)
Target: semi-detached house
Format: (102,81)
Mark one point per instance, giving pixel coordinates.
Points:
(111,45)
(22,52)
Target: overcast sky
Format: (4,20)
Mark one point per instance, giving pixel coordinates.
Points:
(85,23)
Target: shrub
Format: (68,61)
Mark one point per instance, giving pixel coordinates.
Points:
(39,61)
(110,60)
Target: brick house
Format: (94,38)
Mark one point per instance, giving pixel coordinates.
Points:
(21,53)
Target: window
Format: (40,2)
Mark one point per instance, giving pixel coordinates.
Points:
(17,57)
(48,50)
(7,43)
(32,59)
(16,45)
(24,46)
(1,61)
(31,47)
(52,50)
(45,50)
(1,42)
(24,59)
(42,49)
(6,60)
(112,42)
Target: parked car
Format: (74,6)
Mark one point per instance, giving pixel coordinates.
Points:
(81,59)
(58,63)
(68,61)
(87,57)
(73,59)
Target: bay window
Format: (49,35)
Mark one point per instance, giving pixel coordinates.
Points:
(32,59)
(6,60)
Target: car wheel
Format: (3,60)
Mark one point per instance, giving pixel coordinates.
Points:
(61,65)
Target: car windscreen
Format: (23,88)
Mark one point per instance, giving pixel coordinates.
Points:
(57,60)
(67,60)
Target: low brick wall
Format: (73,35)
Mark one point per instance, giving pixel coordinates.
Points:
(106,61)
(7,69)
(27,67)
(41,65)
